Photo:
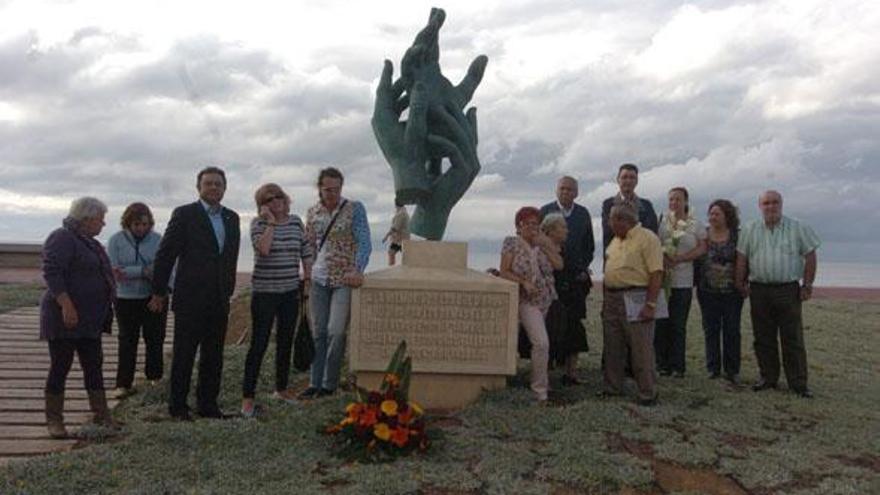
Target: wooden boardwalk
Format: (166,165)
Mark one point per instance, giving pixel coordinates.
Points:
(24,364)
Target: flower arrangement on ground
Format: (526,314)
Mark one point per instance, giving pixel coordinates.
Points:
(382,424)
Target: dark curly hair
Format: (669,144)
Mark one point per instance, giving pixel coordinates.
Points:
(731,215)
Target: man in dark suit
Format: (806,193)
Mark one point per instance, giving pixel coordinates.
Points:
(203,238)
(627,180)
(579,244)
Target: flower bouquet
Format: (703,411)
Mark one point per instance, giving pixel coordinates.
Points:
(677,229)
(382,424)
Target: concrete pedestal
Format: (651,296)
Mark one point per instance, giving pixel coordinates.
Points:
(460,325)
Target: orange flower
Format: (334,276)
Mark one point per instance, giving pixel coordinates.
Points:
(405,416)
(369,417)
(392,379)
(389,407)
(353,408)
(382,432)
(400,436)
(348,420)
(333,429)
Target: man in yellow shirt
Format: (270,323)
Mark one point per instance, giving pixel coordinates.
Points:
(633,263)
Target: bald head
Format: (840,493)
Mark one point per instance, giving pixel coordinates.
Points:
(770,203)
(566,191)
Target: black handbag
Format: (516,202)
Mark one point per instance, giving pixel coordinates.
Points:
(303,344)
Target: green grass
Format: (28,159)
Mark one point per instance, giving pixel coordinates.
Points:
(769,442)
(18,295)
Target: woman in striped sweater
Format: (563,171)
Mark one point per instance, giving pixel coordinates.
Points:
(280,248)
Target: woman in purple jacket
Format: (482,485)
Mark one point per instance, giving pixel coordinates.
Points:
(76,308)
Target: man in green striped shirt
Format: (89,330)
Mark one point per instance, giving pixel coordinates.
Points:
(775,254)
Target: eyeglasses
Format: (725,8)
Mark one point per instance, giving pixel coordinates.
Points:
(268,199)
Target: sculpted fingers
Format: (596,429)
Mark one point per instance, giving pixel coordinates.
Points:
(417,125)
(401,104)
(448,149)
(469,84)
(427,37)
(472,121)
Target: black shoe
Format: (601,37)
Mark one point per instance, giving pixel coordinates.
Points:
(732,378)
(763,385)
(308,394)
(323,392)
(804,394)
(213,414)
(714,375)
(648,402)
(569,381)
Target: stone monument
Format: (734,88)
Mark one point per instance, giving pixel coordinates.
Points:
(460,325)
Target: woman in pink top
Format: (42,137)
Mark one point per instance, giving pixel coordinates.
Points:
(529,258)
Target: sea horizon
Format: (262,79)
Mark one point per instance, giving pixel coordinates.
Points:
(850,274)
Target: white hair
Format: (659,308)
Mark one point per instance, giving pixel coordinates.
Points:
(85,208)
(624,212)
(551,221)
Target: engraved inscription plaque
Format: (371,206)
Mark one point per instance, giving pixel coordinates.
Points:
(457,331)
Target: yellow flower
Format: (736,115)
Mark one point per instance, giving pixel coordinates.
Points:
(382,431)
(418,409)
(350,407)
(389,407)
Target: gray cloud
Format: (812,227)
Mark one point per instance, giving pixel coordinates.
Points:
(764,109)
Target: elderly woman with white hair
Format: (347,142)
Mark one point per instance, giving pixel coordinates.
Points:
(566,333)
(76,309)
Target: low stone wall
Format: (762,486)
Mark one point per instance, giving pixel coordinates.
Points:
(20,255)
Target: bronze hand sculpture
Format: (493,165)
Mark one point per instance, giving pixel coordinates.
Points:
(436,128)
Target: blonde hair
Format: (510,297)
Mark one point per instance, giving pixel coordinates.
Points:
(268,189)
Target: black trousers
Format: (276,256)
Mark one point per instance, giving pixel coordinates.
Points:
(198,331)
(135,320)
(670,335)
(266,308)
(91,358)
(776,310)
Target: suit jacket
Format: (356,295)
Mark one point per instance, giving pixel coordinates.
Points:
(205,277)
(647,217)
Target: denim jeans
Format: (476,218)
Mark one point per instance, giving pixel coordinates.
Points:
(266,308)
(721,325)
(330,308)
(669,338)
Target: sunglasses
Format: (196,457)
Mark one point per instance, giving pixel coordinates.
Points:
(269,199)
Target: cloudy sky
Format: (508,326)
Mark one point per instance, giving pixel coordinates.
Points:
(127,100)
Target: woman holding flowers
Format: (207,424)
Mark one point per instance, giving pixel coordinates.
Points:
(529,258)
(683,238)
